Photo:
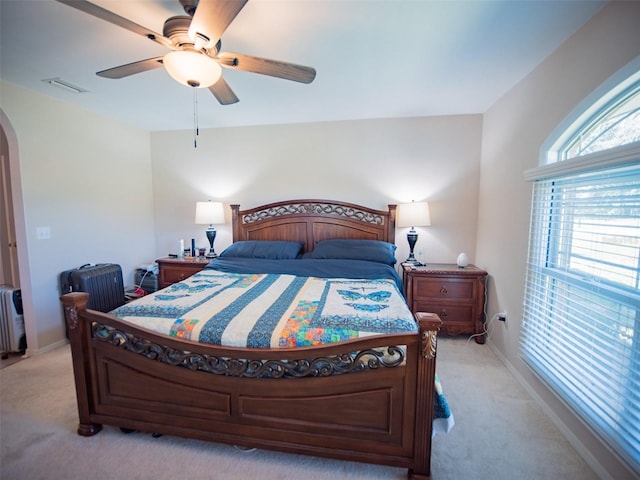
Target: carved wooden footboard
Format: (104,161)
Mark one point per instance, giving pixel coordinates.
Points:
(346,401)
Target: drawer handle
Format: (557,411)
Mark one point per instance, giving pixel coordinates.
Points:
(444,290)
(443,313)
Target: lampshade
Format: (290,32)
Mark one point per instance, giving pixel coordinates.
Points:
(414,214)
(191,68)
(209,213)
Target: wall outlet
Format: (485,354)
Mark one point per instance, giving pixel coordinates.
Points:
(502,317)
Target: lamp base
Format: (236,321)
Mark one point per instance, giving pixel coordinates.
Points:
(411,260)
(211,236)
(412,238)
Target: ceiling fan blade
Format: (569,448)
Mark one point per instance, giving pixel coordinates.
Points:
(212,18)
(111,17)
(223,93)
(264,66)
(132,68)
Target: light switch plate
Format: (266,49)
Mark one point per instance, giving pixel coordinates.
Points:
(43,233)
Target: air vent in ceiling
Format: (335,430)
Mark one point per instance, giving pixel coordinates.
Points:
(70,87)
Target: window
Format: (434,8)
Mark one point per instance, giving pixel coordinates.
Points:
(581,329)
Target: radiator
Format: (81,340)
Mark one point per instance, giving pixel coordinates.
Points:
(103,282)
(12,335)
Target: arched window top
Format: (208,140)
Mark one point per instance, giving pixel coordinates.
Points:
(611,121)
(616,124)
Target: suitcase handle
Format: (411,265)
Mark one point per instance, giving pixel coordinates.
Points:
(69,287)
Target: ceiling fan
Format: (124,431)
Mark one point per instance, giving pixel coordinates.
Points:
(195,59)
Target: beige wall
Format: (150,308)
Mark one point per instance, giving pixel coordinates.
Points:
(514,130)
(85,177)
(369,162)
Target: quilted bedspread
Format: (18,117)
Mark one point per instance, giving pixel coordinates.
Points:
(271,310)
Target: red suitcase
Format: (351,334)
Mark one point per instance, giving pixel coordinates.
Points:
(103,282)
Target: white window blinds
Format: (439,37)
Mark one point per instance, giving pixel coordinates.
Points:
(581,330)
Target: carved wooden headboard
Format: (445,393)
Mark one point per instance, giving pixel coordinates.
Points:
(311,221)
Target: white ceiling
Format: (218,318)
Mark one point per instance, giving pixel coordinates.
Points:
(374,58)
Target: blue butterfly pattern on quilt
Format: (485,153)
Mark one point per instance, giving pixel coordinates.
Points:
(173,301)
(375,296)
(164,297)
(378,296)
(366,307)
(182,286)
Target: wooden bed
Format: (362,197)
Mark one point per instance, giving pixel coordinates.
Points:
(339,401)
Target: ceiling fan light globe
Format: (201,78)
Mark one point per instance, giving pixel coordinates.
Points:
(191,68)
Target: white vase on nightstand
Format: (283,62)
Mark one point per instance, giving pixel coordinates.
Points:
(463,260)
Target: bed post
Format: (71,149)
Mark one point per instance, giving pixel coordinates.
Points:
(391,234)
(74,303)
(428,324)
(235,223)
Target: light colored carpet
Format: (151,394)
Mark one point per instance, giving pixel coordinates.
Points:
(12,358)
(500,433)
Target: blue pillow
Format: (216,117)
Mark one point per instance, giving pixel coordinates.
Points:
(371,250)
(272,249)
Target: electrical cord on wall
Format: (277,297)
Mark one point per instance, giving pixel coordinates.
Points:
(485,331)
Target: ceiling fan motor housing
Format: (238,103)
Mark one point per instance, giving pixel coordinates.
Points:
(189,6)
(176,29)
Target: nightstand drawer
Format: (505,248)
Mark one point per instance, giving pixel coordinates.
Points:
(174,270)
(443,288)
(447,313)
(175,275)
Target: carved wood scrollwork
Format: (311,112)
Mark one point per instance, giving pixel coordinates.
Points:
(313,208)
(71,316)
(389,357)
(429,340)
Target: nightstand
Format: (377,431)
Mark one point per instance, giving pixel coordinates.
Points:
(172,270)
(455,294)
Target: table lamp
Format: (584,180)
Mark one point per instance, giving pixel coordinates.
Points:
(210,213)
(414,214)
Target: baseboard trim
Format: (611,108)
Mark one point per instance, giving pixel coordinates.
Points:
(31,352)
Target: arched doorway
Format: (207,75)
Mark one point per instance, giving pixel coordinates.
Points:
(14,267)
(8,245)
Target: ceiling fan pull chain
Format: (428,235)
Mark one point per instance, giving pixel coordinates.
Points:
(196,129)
